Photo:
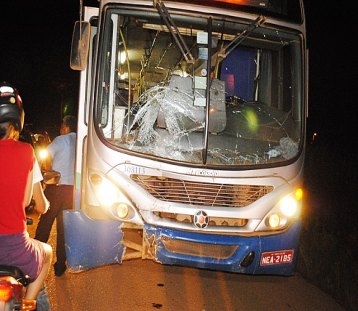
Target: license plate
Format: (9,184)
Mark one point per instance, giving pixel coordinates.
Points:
(276,258)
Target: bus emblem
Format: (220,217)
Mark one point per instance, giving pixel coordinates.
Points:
(201,219)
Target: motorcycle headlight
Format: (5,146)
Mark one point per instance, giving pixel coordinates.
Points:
(43,154)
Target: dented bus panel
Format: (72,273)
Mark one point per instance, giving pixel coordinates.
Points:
(191,134)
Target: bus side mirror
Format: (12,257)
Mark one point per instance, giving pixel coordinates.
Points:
(80,45)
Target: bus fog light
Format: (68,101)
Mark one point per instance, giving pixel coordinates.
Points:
(120,209)
(274,220)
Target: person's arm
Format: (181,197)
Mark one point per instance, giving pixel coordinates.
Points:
(29,189)
(41,202)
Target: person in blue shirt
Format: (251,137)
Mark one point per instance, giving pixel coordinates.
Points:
(62,153)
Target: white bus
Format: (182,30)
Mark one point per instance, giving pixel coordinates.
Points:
(191,134)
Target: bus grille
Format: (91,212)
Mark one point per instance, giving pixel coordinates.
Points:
(216,251)
(201,194)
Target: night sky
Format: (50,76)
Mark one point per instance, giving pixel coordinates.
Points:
(35,48)
(333,73)
(34,56)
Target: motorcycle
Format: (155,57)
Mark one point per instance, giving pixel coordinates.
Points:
(13,284)
(12,290)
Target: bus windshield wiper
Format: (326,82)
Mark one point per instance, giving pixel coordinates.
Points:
(159,5)
(225,51)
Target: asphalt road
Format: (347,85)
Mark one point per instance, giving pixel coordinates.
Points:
(138,285)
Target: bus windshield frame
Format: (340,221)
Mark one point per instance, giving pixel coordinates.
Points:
(240,130)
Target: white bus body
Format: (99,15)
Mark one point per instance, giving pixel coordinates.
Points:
(191,135)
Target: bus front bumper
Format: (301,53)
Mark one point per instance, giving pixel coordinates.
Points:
(267,254)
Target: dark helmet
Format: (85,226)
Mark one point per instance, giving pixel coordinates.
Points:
(11,109)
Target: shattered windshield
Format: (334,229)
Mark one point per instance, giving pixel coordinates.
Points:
(178,93)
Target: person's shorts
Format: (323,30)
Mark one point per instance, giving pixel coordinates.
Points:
(23,252)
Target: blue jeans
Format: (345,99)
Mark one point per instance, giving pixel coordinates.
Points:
(42,300)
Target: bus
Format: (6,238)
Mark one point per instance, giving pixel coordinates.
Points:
(191,134)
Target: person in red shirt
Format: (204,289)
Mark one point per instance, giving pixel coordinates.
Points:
(16,189)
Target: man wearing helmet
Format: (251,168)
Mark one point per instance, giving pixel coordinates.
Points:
(17,161)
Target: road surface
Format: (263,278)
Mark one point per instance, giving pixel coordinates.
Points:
(141,285)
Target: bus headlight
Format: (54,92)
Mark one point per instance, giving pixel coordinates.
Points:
(286,211)
(288,206)
(111,198)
